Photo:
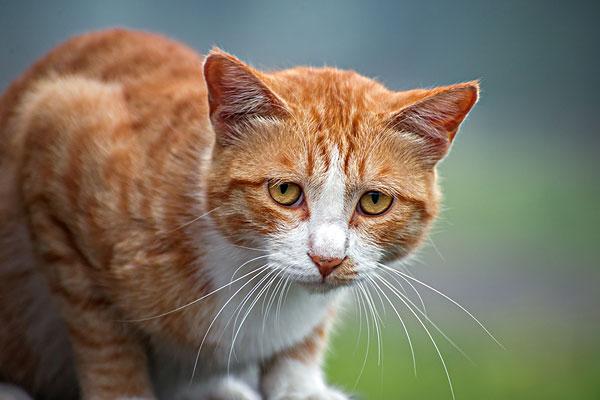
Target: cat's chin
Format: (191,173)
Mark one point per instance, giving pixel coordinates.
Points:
(325,286)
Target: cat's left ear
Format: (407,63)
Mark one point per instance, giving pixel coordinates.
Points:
(435,115)
(237,93)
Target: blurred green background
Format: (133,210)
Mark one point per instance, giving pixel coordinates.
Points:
(517,243)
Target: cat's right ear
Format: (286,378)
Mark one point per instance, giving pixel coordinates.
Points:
(237,94)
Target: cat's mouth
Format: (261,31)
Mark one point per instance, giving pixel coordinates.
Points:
(343,275)
(323,287)
(331,282)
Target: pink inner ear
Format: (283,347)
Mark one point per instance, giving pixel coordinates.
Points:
(458,104)
(236,92)
(437,116)
(440,113)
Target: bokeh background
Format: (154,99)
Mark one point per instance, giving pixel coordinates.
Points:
(518,241)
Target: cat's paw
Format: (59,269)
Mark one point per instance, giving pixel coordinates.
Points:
(307,393)
(228,388)
(295,380)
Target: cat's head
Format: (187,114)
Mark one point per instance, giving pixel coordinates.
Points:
(327,170)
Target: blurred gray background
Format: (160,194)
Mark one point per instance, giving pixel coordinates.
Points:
(518,241)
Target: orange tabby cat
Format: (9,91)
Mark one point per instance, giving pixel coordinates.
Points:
(152,201)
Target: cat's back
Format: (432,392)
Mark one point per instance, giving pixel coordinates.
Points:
(161,87)
(151,70)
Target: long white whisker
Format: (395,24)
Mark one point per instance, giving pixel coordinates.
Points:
(428,334)
(412,351)
(238,309)
(193,220)
(247,297)
(380,300)
(435,248)
(260,271)
(437,328)
(360,297)
(279,286)
(447,298)
(256,298)
(194,301)
(282,299)
(246,263)
(376,320)
(248,247)
(395,278)
(359,313)
(279,303)
(271,297)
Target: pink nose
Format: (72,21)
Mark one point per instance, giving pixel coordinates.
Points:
(326,265)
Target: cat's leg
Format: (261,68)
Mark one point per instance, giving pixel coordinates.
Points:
(110,359)
(295,373)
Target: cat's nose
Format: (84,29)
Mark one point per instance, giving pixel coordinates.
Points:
(326,265)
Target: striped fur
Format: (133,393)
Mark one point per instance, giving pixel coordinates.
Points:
(132,185)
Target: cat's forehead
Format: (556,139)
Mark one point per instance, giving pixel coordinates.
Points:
(364,161)
(334,110)
(330,94)
(338,123)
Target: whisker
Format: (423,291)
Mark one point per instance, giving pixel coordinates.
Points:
(238,309)
(282,299)
(359,296)
(447,298)
(359,313)
(194,301)
(381,319)
(437,328)
(261,270)
(280,302)
(435,248)
(412,351)
(280,284)
(246,263)
(193,220)
(248,248)
(256,298)
(441,357)
(376,317)
(395,278)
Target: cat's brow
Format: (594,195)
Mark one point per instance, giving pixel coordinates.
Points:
(385,186)
(233,183)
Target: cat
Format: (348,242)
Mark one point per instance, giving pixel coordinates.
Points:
(166,214)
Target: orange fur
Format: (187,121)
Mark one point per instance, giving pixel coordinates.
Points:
(105,145)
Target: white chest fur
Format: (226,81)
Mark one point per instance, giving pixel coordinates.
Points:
(258,314)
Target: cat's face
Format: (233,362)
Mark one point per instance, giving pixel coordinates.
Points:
(326,170)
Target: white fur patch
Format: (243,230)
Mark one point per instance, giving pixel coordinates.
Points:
(327,233)
(329,222)
(244,333)
(328,240)
(291,379)
(292,316)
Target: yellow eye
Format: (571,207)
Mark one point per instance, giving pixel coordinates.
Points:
(374,203)
(285,193)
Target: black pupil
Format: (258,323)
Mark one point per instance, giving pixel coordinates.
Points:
(283,188)
(375,197)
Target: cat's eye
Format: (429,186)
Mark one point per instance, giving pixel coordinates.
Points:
(374,203)
(286,193)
